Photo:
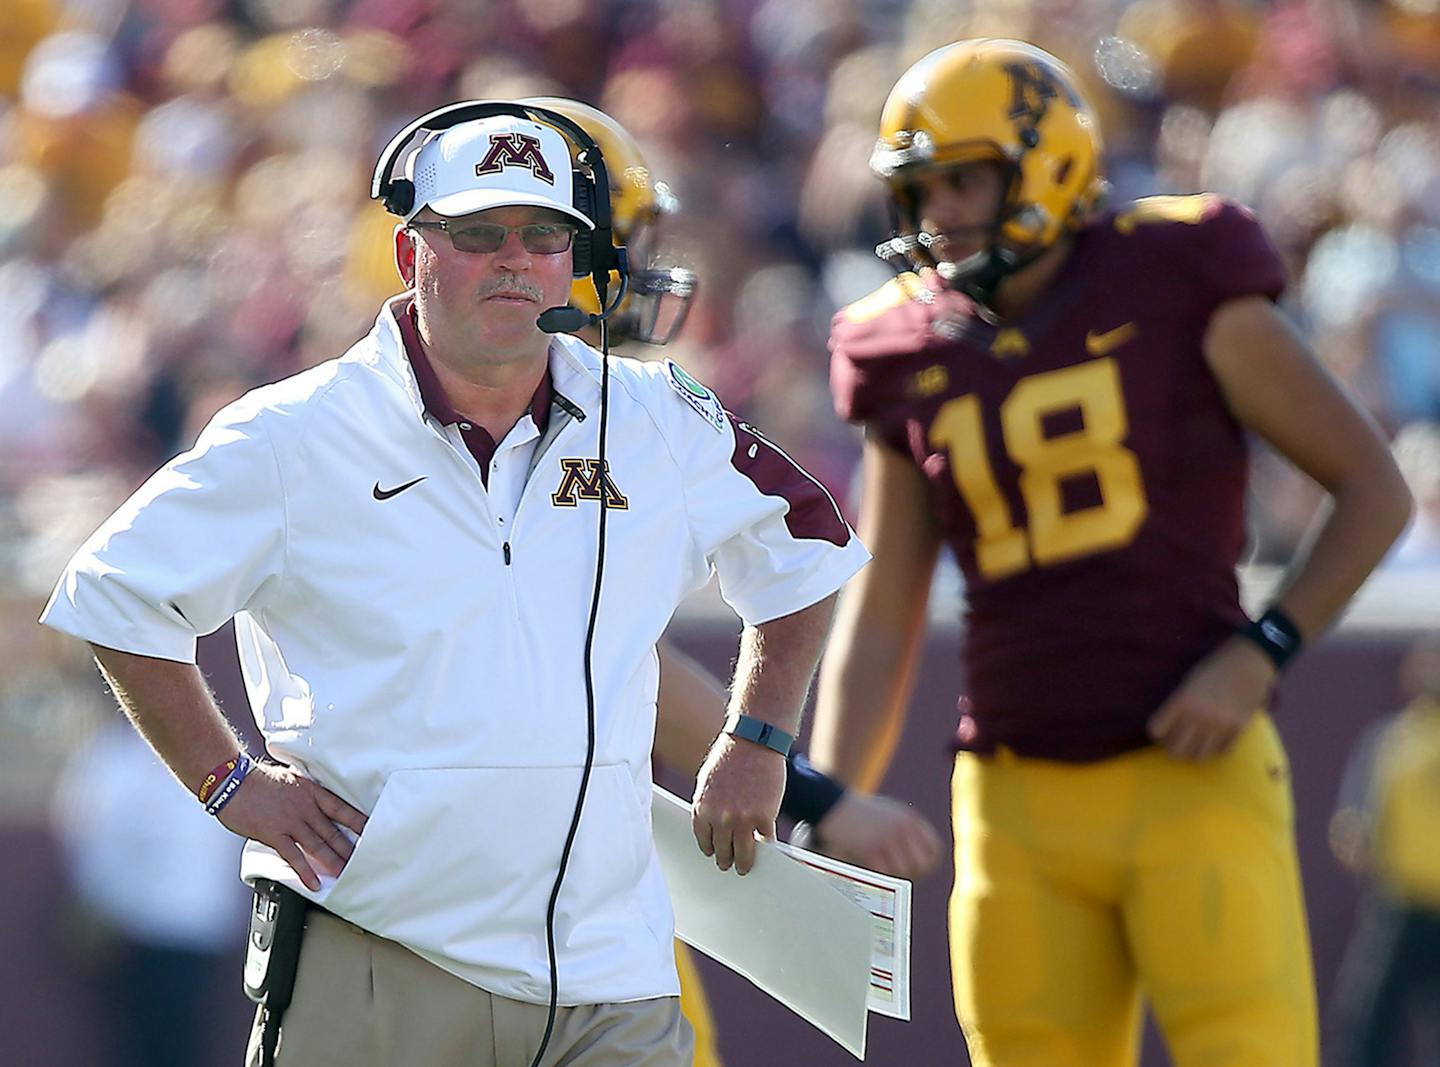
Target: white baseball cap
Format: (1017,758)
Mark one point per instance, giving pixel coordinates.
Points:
(505,161)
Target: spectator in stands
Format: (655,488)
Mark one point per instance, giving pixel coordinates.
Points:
(156,910)
(1385,829)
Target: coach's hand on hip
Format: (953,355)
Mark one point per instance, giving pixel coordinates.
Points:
(737,795)
(299,819)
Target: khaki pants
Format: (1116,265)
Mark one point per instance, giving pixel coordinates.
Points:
(363,1001)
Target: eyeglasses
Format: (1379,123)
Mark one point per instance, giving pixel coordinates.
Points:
(539,238)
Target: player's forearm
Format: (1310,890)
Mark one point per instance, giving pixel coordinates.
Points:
(777,664)
(170,704)
(869,665)
(1366,515)
(865,685)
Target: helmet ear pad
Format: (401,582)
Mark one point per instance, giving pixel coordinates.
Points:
(1020,222)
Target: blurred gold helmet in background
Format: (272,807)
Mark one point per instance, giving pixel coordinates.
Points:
(658,299)
(999,100)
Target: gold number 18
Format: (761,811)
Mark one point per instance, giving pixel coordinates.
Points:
(1095,450)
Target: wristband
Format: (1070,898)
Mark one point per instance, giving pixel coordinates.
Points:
(216,776)
(227,788)
(1276,634)
(761,732)
(809,793)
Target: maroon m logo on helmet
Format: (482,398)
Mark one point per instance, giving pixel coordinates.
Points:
(518,149)
(1032,87)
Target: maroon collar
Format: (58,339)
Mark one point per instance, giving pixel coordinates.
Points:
(432,393)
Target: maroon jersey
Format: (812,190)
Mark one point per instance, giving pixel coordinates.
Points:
(1083,464)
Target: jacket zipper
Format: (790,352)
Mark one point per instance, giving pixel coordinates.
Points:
(576,418)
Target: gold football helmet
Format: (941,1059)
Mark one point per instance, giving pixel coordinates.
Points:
(658,298)
(999,100)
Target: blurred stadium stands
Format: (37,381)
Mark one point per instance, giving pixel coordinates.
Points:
(183,214)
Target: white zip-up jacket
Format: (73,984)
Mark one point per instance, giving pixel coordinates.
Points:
(426,664)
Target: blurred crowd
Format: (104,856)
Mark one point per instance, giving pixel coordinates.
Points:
(184,214)
(184,211)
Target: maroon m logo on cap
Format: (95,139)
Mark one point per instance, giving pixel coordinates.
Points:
(518,149)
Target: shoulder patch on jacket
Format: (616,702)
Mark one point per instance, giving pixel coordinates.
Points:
(703,400)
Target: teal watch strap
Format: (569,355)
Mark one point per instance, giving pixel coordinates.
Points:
(761,732)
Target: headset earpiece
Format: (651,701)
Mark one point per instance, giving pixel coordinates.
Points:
(401,197)
(595,253)
(584,253)
(584,245)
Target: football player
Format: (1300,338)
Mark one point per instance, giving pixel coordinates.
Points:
(658,295)
(873,831)
(1061,393)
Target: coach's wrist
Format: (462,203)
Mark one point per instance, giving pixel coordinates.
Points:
(221,784)
(759,732)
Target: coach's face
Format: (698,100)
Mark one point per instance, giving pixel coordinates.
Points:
(481,305)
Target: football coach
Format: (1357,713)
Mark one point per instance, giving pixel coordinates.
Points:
(448,555)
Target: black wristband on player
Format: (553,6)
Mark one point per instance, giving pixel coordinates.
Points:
(1276,634)
(761,732)
(809,794)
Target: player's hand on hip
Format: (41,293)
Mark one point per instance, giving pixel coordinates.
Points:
(737,797)
(1202,718)
(880,833)
(302,821)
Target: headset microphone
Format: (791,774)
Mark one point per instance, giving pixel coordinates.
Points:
(565,320)
(570,319)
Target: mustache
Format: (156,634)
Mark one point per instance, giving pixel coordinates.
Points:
(510,286)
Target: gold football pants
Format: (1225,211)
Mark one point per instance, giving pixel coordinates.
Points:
(1080,888)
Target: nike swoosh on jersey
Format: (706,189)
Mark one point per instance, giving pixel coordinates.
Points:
(1097,344)
(386,494)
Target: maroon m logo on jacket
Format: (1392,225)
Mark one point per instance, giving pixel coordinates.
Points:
(582,481)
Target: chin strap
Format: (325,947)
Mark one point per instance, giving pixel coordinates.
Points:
(982,282)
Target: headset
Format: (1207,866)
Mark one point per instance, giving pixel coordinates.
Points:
(596,254)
